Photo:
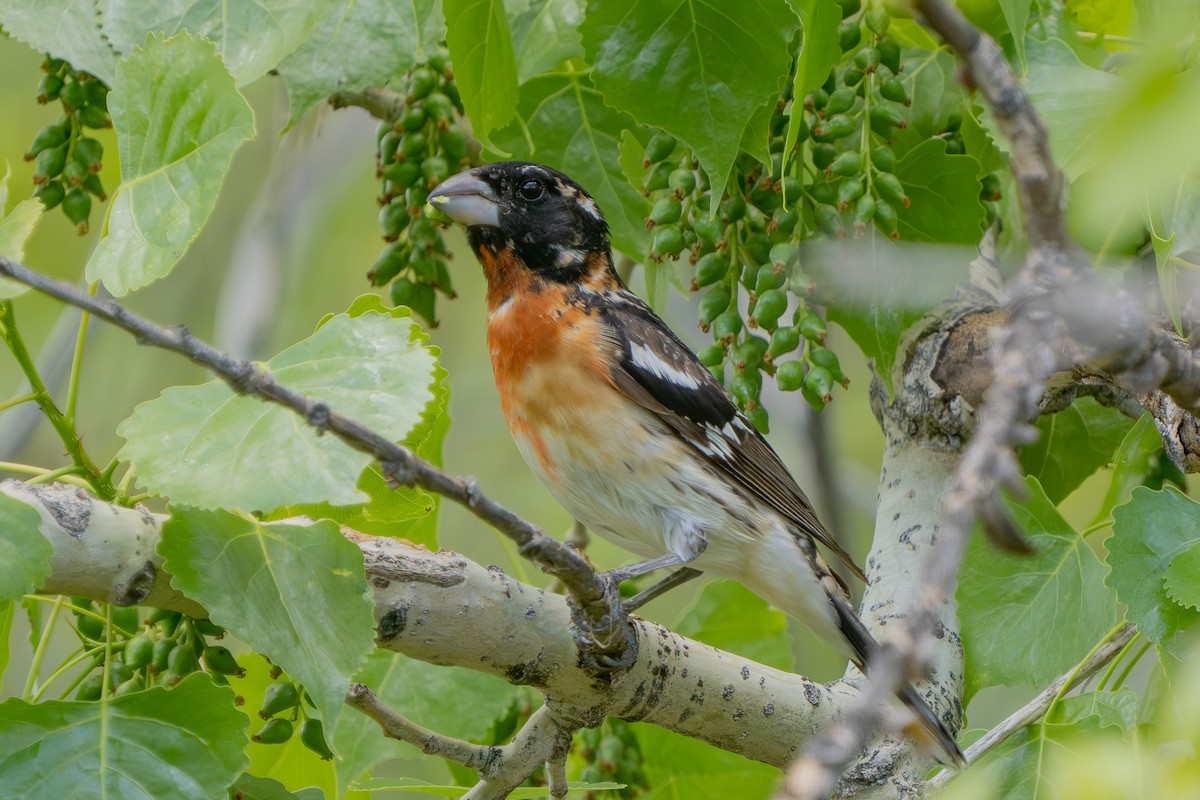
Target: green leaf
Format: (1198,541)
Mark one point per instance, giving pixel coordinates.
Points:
(1149,532)
(698,69)
(416,786)
(678,766)
(1133,461)
(580,135)
(6,618)
(1018,765)
(251,37)
(24,552)
(820,50)
(485,67)
(935,92)
(249,787)
(1053,602)
(1016,14)
(978,142)
(730,617)
(545,34)
(296,593)
(205,446)
(179,118)
(14,230)
(944,190)
(64,28)
(180,742)
(1183,578)
(1074,443)
(1073,100)
(1174,223)
(1117,709)
(418,691)
(359,44)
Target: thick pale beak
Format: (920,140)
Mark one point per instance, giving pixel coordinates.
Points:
(467,200)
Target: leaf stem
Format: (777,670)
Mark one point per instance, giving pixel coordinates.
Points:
(16,401)
(1069,683)
(39,652)
(63,426)
(1129,667)
(77,359)
(1115,662)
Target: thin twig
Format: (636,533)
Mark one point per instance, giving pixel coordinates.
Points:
(594,595)
(383,104)
(431,743)
(1035,708)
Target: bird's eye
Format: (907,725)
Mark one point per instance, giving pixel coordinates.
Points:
(531,191)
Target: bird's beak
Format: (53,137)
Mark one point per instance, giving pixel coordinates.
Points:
(467,200)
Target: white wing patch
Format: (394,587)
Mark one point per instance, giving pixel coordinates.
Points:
(650,361)
(719,442)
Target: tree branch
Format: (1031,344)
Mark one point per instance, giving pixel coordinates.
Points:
(595,596)
(445,609)
(1039,705)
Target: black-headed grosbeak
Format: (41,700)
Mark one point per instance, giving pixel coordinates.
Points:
(622,422)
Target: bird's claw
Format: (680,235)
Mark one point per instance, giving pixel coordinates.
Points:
(606,641)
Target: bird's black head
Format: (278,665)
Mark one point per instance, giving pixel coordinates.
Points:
(548,220)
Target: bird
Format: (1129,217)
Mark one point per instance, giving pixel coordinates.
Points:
(625,426)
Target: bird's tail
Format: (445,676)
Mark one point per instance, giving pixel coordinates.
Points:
(946,749)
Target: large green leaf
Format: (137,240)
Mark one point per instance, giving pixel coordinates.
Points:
(681,768)
(296,593)
(24,551)
(15,228)
(820,50)
(730,617)
(699,69)
(64,28)
(580,135)
(545,34)
(206,446)
(1073,100)
(944,190)
(248,787)
(1149,533)
(180,742)
(1018,766)
(1053,602)
(1135,458)
(485,67)
(251,36)
(418,691)
(179,119)
(1074,443)
(1174,223)
(360,43)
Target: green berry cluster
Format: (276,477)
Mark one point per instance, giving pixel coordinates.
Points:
(283,697)
(67,159)
(611,753)
(159,649)
(426,145)
(847,126)
(744,247)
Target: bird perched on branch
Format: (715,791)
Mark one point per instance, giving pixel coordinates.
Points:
(625,426)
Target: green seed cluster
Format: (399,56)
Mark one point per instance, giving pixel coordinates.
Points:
(283,697)
(849,123)
(416,152)
(611,753)
(157,650)
(745,251)
(67,159)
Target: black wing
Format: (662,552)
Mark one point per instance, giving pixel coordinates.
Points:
(660,373)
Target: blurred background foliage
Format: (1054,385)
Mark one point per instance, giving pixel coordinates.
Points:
(295,231)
